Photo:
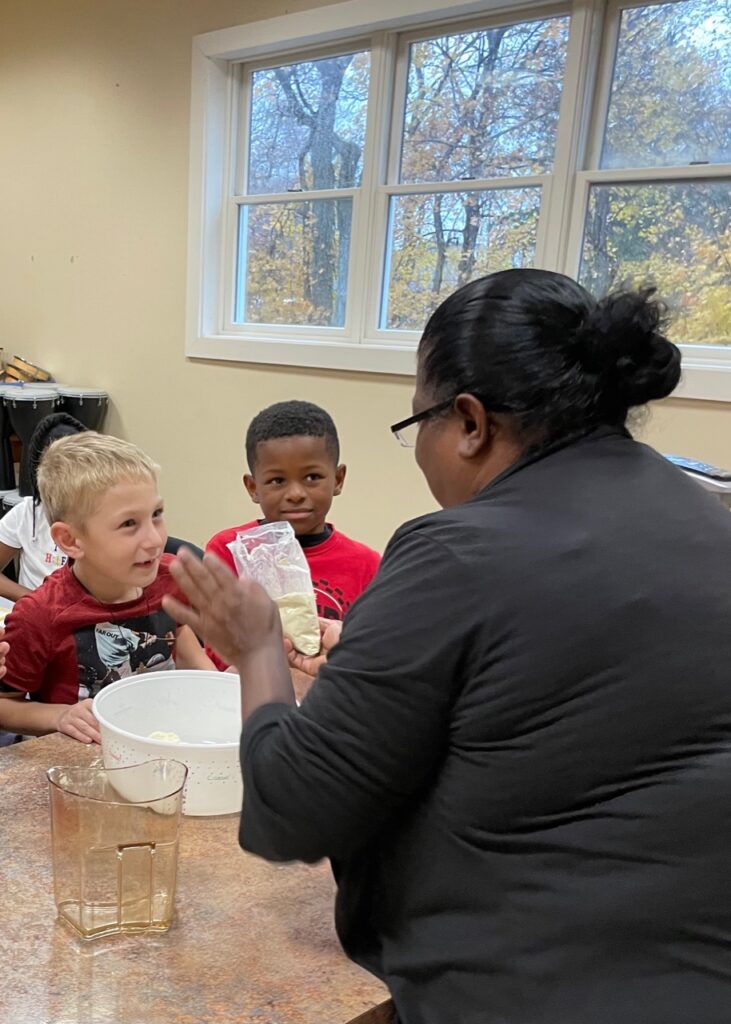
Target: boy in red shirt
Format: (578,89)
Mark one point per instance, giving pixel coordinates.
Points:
(100,616)
(293,453)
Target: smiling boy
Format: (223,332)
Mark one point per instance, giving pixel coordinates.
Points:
(293,454)
(100,617)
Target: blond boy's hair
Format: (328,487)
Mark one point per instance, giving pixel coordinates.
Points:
(75,471)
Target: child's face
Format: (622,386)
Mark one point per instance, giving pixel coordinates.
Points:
(118,549)
(294,481)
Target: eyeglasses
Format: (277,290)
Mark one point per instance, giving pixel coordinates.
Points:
(407,430)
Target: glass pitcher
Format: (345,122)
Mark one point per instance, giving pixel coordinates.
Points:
(115,845)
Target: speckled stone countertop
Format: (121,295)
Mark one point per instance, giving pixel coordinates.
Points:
(252,942)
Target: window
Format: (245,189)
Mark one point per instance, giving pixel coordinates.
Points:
(347,174)
(303,154)
(659,204)
(471,152)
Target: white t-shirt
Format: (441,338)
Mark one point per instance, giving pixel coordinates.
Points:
(39,556)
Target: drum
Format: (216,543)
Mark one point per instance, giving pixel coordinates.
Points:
(26,407)
(50,385)
(88,405)
(7,464)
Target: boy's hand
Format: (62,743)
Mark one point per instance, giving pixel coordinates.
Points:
(78,722)
(330,630)
(236,617)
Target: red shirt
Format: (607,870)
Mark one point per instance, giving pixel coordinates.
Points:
(65,645)
(341,569)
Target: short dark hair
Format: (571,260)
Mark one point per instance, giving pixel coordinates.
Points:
(536,345)
(49,429)
(291,419)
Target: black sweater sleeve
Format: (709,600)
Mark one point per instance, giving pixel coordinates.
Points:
(320,780)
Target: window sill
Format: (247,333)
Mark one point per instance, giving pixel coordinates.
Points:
(322,355)
(704,379)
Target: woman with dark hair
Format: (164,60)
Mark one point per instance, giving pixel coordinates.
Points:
(24,530)
(518,756)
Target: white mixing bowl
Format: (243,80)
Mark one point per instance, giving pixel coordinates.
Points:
(202,708)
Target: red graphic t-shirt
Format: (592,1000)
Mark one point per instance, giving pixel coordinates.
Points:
(65,645)
(340,568)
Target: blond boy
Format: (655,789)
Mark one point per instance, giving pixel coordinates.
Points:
(100,617)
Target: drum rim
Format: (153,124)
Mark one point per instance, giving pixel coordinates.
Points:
(71,391)
(35,395)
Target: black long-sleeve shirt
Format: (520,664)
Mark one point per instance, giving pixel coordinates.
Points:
(518,757)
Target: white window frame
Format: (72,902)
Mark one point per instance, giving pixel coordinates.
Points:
(359,345)
(706,368)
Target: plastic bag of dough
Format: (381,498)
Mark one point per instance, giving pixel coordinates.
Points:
(271,555)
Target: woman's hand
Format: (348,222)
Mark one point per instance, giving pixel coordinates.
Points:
(78,722)
(235,616)
(330,630)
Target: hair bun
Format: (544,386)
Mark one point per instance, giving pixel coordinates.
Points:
(621,342)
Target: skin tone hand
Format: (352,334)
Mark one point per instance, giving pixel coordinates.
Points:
(239,621)
(330,630)
(78,722)
(33,718)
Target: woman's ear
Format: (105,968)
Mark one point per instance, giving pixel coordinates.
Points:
(250,485)
(66,538)
(477,426)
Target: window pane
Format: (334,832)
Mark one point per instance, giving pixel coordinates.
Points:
(293,262)
(484,104)
(677,237)
(307,127)
(437,242)
(671,91)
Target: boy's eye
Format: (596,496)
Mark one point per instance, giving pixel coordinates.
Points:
(128,522)
(158,513)
(276,480)
(314,476)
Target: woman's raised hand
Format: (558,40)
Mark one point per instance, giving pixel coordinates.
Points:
(236,617)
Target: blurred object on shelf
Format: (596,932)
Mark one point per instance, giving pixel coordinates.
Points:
(18,369)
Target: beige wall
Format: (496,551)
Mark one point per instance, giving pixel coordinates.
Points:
(94,98)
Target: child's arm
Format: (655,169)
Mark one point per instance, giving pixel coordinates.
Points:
(13,591)
(35,653)
(32,718)
(189,653)
(4,648)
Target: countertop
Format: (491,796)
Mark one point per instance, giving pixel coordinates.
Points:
(252,943)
